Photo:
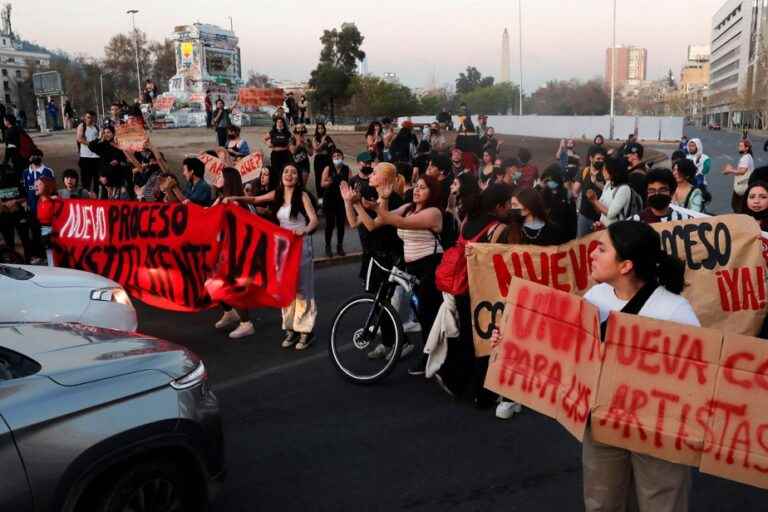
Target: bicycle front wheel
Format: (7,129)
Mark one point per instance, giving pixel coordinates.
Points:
(366,340)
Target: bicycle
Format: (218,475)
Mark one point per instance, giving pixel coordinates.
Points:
(364,321)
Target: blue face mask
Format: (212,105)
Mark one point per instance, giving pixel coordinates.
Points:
(552,185)
(517,175)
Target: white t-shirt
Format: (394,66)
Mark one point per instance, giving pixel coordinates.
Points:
(741,183)
(91,133)
(616,200)
(661,305)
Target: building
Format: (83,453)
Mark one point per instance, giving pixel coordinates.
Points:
(736,45)
(504,57)
(631,65)
(694,80)
(390,77)
(17,63)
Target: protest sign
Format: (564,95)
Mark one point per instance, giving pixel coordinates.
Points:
(130,135)
(164,103)
(249,167)
(549,358)
(725,272)
(177,256)
(258,97)
(681,393)
(654,374)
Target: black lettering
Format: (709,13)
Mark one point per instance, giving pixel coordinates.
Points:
(688,230)
(723,246)
(179,219)
(113,216)
(495,310)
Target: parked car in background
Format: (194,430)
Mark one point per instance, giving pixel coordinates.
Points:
(30,293)
(97,420)
(714,126)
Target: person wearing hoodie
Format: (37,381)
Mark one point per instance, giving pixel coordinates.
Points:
(702,161)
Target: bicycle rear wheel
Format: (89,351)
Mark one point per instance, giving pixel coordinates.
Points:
(359,327)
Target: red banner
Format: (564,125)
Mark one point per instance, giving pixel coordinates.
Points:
(255,97)
(179,257)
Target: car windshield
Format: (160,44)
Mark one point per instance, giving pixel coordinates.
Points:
(15,272)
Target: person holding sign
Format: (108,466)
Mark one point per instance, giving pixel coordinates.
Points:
(635,276)
(237,148)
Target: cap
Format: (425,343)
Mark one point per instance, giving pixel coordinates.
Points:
(365,157)
(634,148)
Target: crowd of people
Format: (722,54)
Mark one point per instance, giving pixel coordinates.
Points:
(414,198)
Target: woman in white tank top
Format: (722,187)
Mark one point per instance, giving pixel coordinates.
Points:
(419,224)
(295,211)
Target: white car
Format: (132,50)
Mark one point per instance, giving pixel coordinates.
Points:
(30,293)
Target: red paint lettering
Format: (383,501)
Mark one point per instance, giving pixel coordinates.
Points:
(503,277)
(663,398)
(724,302)
(728,369)
(558,269)
(530,269)
(623,416)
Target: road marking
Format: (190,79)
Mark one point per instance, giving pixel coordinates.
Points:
(244,379)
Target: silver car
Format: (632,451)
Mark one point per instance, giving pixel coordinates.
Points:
(99,420)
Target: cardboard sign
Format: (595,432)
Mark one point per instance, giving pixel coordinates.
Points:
(656,376)
(676,392)
(249,167)
(256,97)
(164,103)
(725,272)
(549,358)
(179,257)
(130,135)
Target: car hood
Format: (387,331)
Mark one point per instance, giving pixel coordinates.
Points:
(57,277)
(73,354)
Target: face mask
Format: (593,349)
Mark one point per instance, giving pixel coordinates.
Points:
(659,201)
(366,171)
(598,165)
(517,175)
(552,185)
(337,162)
(513,215)
(35,160)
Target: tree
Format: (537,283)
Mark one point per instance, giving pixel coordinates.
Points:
(495,99)
(259,80)
(332,77)
(120,62)
(373,97)
(569,98)
(472,80)
(163,57)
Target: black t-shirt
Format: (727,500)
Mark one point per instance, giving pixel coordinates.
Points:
(586,209)
(300,155)
(382,242)
(332,194)
(280,138)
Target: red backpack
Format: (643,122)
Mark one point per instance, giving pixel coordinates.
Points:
(451,274)
(26,145)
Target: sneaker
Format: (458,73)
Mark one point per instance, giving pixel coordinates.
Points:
(506,409)
(379,352)
(442,385)
(289,340)
(243,330)
(404,352)
(420,367)
(228,318)
(340,251)
(305,341)
(411,326)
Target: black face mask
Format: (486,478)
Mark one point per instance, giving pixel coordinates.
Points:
(659,201)
(598,166)
(512,215)
(366,171)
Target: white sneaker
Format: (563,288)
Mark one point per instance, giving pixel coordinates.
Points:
(507,409)
(228,318)
(411,326)
(379,352)
(243,330)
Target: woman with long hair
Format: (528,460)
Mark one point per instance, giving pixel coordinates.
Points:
(419,224)
(279,139)
(374,140)
(232,187)
(295,211)
(756,205)
(615,198)
(488,170)
(635,276)
(686,194)
(530,221)
(303,106)
(323,146)
(301,150)
(221,121)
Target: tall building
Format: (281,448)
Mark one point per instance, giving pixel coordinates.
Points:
(504,57)
(392,78)
(631,65)
(695,72)
(735,42)
(16,63)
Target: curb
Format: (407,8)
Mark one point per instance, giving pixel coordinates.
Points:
(337,260)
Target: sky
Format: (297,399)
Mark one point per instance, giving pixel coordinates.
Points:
(562,39)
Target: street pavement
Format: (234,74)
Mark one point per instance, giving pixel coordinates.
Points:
(722,148)
(299,437)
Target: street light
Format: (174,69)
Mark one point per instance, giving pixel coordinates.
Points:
(520,45)
(613,70)
(133,13)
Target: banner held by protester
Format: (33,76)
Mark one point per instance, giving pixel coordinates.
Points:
(178,256)
(249,167)
(260,97)
(725,272)
(131,135)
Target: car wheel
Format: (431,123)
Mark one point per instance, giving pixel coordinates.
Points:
(155,486)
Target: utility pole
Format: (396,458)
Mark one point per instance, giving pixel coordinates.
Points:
(103,108)
(133,13)
(520,45)
(613,71)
